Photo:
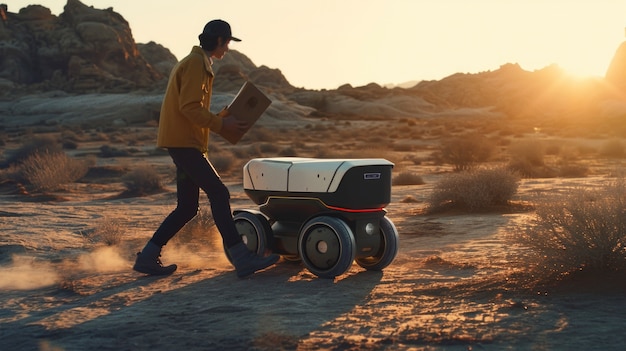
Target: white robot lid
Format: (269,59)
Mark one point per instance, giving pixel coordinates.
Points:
(300,174)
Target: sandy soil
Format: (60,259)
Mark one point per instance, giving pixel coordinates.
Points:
(451,286)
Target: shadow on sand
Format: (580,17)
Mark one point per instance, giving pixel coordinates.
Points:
(273,309)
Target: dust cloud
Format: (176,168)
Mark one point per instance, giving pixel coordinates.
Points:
(28,273)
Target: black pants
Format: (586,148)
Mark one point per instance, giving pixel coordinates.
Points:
(195,172)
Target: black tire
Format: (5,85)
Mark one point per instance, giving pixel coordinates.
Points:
(255,232)
(326,246)
(292,259)
(388,248)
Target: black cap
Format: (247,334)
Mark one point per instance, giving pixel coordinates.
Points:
(219,28)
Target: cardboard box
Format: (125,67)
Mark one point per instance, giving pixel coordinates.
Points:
(248,105)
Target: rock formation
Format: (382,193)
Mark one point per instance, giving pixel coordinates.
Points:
(84,50)
(616,73)
(236,67)
(87,52)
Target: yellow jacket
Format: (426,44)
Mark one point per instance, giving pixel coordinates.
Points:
(185,119)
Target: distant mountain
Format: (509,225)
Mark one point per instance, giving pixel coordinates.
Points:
(616,74)
(91,51)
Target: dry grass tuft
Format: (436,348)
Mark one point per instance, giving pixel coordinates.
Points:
(46,171)
(407,178)
(35,145)
(198,230)
(584,231)
(466,151)
(223,162)
(527,159)
(143,180)
(474,190)
(612,149)
(107,231)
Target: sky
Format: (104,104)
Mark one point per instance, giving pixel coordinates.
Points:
(323,44)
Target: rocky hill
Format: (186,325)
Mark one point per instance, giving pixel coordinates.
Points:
(57,68)
(84,50)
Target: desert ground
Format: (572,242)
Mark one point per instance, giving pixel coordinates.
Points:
(460,281)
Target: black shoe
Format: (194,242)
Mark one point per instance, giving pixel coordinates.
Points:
(247,262)
(148,261)
(152,267)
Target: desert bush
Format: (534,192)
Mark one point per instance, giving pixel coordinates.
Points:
(527,159)
(528,151)
(464,152)
(582,231)
(268,148)
(197,229)
(553,149)
(407,178)
(142,180)
(528,170)
(260,133)
(288,151)
(107,151)
(70,145)
(107,231)
(222,162)
(251,151)
(573,170)
(46,171)
(402,147)
(35,145)
(612,149)
(71,135)
(474,190)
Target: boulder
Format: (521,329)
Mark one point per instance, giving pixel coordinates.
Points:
(84,50)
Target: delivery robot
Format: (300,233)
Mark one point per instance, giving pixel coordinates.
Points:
(325,212)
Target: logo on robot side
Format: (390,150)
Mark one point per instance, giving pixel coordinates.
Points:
(369,176)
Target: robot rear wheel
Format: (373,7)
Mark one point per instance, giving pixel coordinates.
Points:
(255,231)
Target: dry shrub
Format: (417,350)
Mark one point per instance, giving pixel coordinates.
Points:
(474,190)
(612,149)
(527,159)
(107,151)
(197,230)
(35,145)
(223,162)
(288,151)
(251,151)
(107,231)
(403,147)
(573,170)
(531,151)
(464,152)
(268,148)
(582,231)
(407,178)
(142,180)
(46,171)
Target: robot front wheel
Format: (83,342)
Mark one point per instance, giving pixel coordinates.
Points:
(326,246)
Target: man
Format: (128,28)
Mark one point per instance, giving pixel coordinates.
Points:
(184,127)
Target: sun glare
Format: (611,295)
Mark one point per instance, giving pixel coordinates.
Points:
(586,69)
(399,42)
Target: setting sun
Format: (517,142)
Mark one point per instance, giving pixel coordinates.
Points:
(326,43)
